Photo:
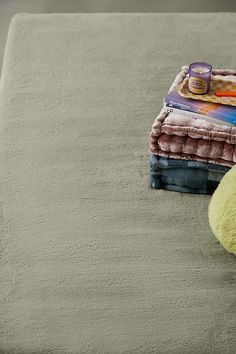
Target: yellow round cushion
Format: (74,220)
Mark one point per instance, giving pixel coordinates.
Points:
(222,211)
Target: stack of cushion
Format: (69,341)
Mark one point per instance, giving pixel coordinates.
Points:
(190,154)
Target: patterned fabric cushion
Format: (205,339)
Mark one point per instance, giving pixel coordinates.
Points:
(185,176)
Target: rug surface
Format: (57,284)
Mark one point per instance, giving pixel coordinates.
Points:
(93,260)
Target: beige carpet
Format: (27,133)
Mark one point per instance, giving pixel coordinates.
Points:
(92,260)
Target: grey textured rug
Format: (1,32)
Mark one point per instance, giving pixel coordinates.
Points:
(92,260)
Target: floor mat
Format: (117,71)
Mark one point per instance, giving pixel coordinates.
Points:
(92,259)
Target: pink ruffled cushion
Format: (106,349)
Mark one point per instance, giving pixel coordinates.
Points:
(182,137)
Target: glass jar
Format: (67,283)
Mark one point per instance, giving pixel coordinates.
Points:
(199,78)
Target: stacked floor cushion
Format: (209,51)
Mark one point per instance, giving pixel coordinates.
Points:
(208,145)
(201,133)
(185,176)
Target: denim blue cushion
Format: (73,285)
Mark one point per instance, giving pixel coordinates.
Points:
(185,176)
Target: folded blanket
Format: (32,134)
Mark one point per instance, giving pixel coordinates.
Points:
(185,176)
(180,136)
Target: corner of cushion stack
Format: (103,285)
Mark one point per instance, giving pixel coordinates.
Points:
(204,145)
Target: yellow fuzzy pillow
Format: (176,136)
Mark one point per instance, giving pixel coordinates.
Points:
(222,211)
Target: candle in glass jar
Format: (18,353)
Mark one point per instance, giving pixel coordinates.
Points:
(199,78)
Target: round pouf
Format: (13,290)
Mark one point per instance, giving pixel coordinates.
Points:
(222,211)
